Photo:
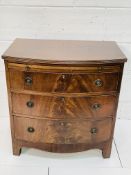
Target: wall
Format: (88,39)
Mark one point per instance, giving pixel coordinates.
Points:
(68,19)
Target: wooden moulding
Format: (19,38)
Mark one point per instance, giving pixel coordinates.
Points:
(64,69)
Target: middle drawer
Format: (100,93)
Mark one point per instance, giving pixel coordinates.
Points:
(64,107)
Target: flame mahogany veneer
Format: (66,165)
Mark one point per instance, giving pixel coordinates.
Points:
(63,95)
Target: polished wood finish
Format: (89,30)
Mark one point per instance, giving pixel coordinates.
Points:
(63,95)
(66,83)
(64,52)
(93,107)
(62,131)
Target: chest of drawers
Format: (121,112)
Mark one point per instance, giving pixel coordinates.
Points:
(63,95)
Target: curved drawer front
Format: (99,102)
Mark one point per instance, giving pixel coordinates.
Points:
(64,107)
(64,83)
(62,131)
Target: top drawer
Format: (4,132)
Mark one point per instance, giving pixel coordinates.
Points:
(63,82)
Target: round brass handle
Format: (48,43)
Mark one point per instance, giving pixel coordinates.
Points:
(94,130)
(63,99)
(98,83)
(28,80)
(27,68)
(30,129)
(69,124)
(96,106)
(62,124)
(63,77)
(68,140)
(30,104)
(65,124)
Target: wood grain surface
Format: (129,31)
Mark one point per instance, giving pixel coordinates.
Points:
(63,95)
(62,132)
(94,107)
(64,51)
(64,83)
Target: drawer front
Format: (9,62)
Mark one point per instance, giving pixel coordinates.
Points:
(64,83)
(62,132)
(64,107)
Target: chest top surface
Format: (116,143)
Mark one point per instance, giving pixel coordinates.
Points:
(64,52)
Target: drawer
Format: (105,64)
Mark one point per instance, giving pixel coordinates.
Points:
(64,107)
(64,83)
(62,131)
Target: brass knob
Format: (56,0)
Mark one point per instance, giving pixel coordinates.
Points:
(68,140)
(30,104)
(65,124)
(96,106)
(94,130)
(63,99)
(98,83)
(69,124)
(27,68)
(63,77)
(100,68)
(30,129)
(28,80)
(62,124)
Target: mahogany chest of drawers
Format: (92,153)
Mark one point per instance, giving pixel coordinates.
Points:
(63,95)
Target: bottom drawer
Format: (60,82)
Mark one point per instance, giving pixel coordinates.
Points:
(62,131)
